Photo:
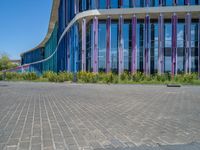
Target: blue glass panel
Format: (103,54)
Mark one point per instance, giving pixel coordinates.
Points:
(194,2)
(154,3)
(114,3)
(167,47)
(181,2)
(102,4)
(102,46)
(168,2)
(140,45)
(114,46)
(127,46)
(194,46)
(180,48)
(154,47)
(139,3)
(126,3)
(89,49)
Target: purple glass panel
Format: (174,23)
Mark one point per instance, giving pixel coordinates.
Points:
(83,45)
(199,48)
(96,4)
(134,46)
(133,3)
(120,3)
(95,45)
(107,4)
(187,2)
(174,44)
(147,46)
(160,2)
(108,40)
(120,46)
(147,3)
(161,44)
(68,52)
(175,2)
(188,43)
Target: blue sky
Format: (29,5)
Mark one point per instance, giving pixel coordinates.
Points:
(23,25)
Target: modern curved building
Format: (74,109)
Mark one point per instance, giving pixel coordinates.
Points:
(151,36)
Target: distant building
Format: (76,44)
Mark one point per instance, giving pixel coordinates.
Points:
(17,62)
(151,36)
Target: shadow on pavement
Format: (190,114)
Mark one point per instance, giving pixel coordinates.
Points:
(190,146)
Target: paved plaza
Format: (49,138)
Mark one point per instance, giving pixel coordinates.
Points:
(52,116)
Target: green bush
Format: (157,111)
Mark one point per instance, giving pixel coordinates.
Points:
(125,76)
(66,76)
(186,78)
(138,76)
(52,77)
(47,74)
(161,77)
(13,76)
(1,76)
(87,77)
(29,76)
(110,78)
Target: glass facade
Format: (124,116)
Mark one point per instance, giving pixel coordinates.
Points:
(104,43)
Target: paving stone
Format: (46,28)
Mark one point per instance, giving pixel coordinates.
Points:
(46,116)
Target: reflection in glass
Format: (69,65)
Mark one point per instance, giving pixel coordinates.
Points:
(114,47)
(127,45)
(167,46)
(180,47)
(102,46)
(140,45)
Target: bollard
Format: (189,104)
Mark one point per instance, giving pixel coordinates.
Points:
(4,75)
(75,77)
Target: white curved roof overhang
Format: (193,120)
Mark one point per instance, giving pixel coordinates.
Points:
(52,22)
(153,12)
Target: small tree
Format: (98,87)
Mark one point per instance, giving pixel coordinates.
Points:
(5,63)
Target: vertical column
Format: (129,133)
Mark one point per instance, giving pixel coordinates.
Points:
(120,3)
(120,46)
(107,4)
(108,45)
(83,61)
(76,6)
(134,45)
(63,14)
(68,51)
(199,48)
(174,44)
(133,3)
(96,4)
(175,2)
(161,44)
(188,43)
(95,45)
(187,2)
(147,46)
(147,3)
(160,2)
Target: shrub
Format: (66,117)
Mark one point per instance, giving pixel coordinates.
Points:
(87,77)
(13,76)
(52,77)
(138,76)
(29,76)
(1,76)
(110,78)
(125,76)
(162,77)
(66,76)
(47,74)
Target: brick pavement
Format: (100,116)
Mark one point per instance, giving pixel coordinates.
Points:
(50,116)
